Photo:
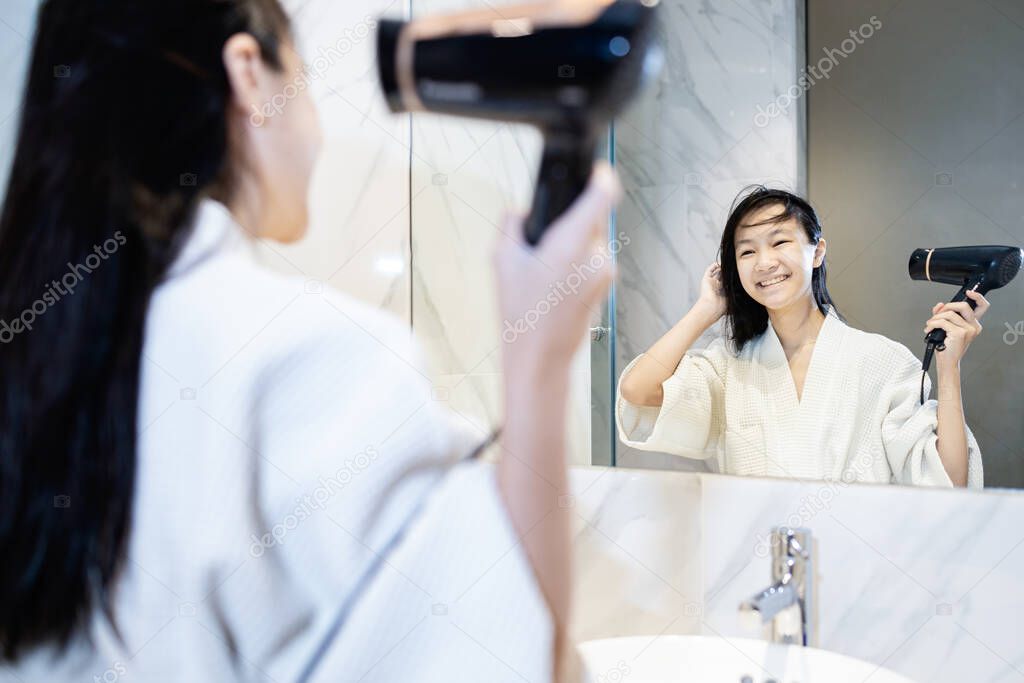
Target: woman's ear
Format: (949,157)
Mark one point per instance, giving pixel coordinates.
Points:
(819,252)
(247,73)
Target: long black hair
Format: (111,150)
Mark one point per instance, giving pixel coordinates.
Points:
(124,127)
(746,318)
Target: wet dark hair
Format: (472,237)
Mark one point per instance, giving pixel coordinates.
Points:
(746,318)
(124,127)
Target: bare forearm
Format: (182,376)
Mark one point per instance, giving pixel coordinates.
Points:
(643,383)
(951,430)
(532,477)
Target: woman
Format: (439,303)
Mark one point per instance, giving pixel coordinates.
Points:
(797,392)
(207,473)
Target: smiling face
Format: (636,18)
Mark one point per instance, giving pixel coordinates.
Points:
(775,260)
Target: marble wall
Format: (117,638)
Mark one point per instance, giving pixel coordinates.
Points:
(690,145)
(923,582)
(637,536)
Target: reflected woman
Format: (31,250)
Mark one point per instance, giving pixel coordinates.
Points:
(793,390)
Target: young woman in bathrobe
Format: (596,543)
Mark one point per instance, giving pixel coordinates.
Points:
(213,472)
(794,391)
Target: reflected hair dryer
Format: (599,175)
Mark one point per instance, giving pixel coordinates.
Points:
(567,67)
(981,268)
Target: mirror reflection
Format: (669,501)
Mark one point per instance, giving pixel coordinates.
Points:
(768,318)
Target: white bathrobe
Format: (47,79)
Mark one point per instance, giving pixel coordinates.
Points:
(859,418)
(293,465)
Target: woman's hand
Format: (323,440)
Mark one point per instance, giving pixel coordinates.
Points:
(712,296)
(547,295)
(961,325)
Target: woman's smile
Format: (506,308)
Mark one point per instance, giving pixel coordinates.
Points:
(773,282)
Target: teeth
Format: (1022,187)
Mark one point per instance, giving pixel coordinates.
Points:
(768,283)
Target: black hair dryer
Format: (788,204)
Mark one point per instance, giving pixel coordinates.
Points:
(567,67)
(980,268)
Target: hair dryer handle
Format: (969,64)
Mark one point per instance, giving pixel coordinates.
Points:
(937,337)
(565,168)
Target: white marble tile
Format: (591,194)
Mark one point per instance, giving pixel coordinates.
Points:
(477,400)
(472,173)
(637,569)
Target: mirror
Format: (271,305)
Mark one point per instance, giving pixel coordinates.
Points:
(902,126)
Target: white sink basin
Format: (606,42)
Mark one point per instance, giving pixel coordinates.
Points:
(706,659)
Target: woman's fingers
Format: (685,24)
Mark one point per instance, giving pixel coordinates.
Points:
(982,303)
(962,308)
(950,316)
(952,323)
(952,329)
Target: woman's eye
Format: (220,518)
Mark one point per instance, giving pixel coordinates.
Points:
(782,242)
(746,252)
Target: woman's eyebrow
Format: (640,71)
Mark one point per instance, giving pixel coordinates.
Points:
(769,234)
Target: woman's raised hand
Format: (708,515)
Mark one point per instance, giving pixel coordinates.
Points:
(712,296)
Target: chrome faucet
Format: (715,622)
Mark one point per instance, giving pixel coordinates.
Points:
(791,589)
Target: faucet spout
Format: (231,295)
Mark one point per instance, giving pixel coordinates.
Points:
(792,583)
(771,601)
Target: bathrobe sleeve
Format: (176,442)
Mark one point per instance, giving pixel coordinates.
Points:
(416,553)
(909,434)
(690,420)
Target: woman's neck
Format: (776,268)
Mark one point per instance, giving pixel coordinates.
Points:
(797,325)
(244,205)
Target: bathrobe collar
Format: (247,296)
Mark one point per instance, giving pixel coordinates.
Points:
(773,358)
(213,229)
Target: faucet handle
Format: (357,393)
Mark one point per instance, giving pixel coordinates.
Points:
(795,547)
(791,554)
(791,541)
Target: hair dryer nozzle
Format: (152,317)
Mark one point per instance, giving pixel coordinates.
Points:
(565,66)
(979,268)
(1009,265)
(387,46)
(991,266)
